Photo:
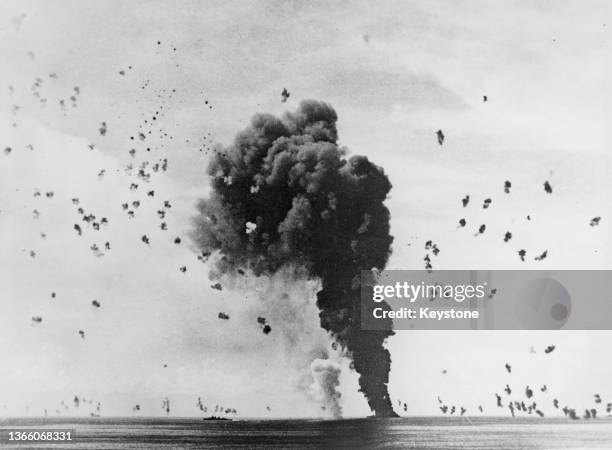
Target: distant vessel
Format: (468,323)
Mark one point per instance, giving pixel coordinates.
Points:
(216,418)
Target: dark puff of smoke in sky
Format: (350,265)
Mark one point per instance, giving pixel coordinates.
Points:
(285,193)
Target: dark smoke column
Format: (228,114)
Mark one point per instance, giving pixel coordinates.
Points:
(285,193)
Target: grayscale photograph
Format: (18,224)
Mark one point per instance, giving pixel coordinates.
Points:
(306,224)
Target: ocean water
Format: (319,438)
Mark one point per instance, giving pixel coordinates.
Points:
(404,433)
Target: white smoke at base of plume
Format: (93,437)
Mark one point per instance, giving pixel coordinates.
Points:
(287,301)
(326,374)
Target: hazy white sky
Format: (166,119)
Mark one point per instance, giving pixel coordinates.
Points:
(395,72)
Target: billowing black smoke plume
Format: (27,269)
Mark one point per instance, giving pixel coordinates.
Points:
(285,194)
